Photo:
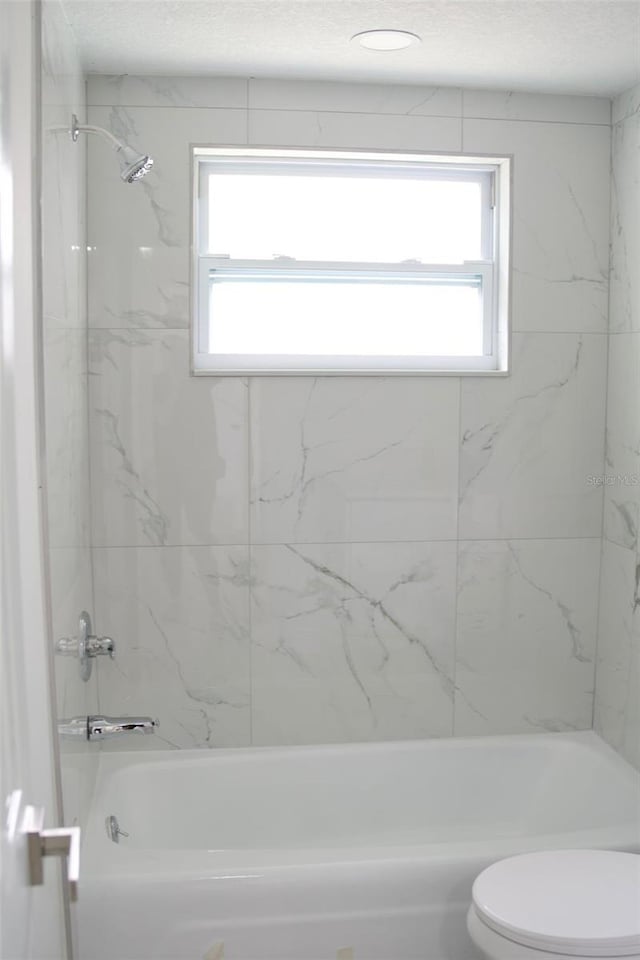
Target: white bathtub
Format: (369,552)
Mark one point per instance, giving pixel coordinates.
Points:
(295,853)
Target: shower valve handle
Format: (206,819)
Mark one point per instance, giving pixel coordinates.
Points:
(101,647)
(86,646)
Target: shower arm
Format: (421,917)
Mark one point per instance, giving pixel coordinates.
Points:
(133,164)
(77,128)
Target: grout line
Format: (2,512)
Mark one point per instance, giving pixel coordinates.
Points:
(250,550)
(361,113)
(95,605)
(563,333)
(604,451)
(167,106)
(568,123)
(247,110)
(333,543)
(454,373)
(133,329)
(457,568)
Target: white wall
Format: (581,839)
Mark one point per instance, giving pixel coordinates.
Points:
(296,560)
(617,713)
(32,919)
(65,380)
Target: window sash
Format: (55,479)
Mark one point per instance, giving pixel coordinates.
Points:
(476,273)
(423,169)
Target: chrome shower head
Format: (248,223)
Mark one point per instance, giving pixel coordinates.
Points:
(133,165)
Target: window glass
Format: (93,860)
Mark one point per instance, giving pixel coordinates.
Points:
(314,315)
(338,218)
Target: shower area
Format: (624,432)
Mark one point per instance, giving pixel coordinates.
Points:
(381,631)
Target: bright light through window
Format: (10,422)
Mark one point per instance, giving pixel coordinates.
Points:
(316,262)
(326,316)
(345,218)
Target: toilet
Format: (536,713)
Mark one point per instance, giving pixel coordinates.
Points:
(558,904)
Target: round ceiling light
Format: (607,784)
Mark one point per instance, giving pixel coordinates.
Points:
(386,39)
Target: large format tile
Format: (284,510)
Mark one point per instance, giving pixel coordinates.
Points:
(560,220)
(626,104)
(180,619)
(66,437)
(513,105)
(139,234)
(63,171)
(169,451)
(625,226)
(526,636)
(353,459)
(129,91)
(70,575)
(532,443)
(622,465)
(71,586)
(353,130)
(64,264)
(617,700)
(352,641)
(381,98)
(61,72)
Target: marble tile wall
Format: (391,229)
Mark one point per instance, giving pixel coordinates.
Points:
(617,705)
(298,560)
(66,434)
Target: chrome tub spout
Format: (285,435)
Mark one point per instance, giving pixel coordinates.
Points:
(104,728)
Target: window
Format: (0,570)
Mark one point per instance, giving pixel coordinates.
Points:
(325,262)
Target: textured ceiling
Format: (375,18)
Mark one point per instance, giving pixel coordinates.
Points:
(558,46)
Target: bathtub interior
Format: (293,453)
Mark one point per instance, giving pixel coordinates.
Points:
(364,796)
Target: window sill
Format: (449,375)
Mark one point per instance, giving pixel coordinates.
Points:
(355,372)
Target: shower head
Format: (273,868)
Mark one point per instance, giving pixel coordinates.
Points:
(133,165)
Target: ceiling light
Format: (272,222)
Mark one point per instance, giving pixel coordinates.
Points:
(386,39)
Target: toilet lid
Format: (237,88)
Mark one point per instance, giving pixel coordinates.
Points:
(576,902)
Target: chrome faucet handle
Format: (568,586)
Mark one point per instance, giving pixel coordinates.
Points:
(101,647)
(86,646)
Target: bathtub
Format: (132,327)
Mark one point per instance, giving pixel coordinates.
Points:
(299,853)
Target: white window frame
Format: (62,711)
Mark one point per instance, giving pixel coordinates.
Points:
(492,272)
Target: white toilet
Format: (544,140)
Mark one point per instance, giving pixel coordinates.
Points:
(558,904)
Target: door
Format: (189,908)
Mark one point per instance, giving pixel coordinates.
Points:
(34,920)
